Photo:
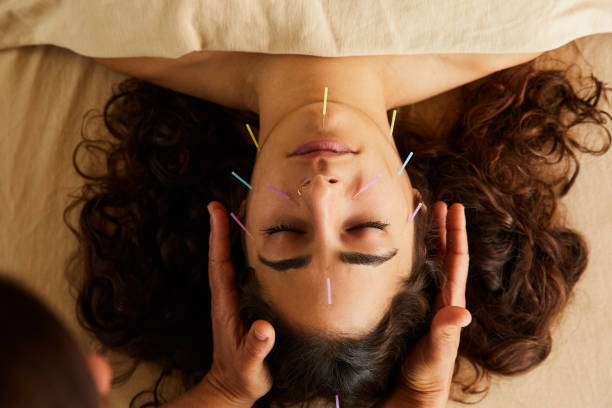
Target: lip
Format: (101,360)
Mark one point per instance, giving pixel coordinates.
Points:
(323,153)
(322,147)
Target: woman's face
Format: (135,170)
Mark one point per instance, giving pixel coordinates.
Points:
(362,243)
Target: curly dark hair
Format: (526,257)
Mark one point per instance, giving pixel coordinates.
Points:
(140,269)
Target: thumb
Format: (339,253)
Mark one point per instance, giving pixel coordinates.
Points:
(445,333)
(259,341)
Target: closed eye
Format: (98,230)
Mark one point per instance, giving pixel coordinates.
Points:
(289,228)
(369,224)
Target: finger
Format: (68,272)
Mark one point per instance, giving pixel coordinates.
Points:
(445,333)
(224,295)
(258,343)
(101,372)
(440,211)
(457,258)
(219,248)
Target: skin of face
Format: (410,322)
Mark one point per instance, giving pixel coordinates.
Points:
(327,216)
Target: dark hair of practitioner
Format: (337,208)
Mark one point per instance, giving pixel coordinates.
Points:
(41,366)
(141,266)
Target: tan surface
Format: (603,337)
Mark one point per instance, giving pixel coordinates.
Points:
(313,27)
(47,90)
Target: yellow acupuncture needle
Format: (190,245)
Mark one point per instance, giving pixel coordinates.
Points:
(324,107)
(393,122)
(252,136)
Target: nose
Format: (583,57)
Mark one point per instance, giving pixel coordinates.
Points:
(322,194)
(321,180)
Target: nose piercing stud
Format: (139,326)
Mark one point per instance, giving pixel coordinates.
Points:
(299,191)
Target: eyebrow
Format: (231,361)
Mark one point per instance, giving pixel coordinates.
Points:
(355,258)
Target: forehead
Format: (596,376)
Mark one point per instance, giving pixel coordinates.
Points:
(332,304)
(348,299)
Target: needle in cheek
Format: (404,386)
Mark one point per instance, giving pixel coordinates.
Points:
(415,212)
(241,226)
(278,191)
(367,185)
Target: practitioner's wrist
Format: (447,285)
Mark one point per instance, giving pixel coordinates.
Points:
(403,398)
(221,394)
(208,393)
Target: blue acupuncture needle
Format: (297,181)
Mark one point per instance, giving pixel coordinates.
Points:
(241,179)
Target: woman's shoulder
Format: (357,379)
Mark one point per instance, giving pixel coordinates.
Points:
(216,76)
(413,78)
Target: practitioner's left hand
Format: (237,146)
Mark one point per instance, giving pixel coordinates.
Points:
(238,373)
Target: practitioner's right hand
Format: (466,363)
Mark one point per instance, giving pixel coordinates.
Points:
(238,373)
(428,370)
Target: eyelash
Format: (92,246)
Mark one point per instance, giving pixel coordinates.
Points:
(284,227)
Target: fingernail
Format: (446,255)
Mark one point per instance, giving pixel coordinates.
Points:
(259,336)
(208,208)
(467,322)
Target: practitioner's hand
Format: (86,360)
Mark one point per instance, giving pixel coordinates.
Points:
(428,370)
(238,372)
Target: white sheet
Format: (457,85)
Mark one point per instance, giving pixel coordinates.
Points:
(161,28)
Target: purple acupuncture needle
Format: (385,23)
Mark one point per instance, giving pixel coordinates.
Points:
(328,292)
(414,213)
(279,192)
(241,226)
(337,402)
(368,185)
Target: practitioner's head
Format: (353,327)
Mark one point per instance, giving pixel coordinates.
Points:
(41,365)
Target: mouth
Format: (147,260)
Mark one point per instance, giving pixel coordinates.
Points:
(322,147)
